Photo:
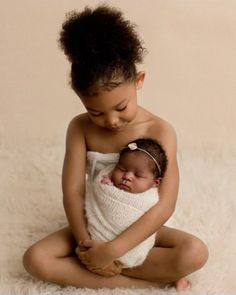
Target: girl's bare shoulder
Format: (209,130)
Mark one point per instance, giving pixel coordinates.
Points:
(163,131)
(76,132)
(166,129)
(77,126)
(79,121)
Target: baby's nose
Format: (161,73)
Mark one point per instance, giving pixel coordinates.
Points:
(128,175)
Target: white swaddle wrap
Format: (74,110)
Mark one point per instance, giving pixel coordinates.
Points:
(110,211)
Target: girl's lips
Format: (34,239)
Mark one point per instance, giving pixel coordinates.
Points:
(116,128)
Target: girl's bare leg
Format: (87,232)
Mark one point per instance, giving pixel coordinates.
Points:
(177,254)
(52,259)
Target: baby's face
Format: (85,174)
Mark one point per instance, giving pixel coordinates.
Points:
(133,173)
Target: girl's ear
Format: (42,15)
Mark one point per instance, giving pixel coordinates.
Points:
(140,79)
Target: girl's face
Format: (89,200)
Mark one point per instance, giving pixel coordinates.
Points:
(116,108)
(133,173)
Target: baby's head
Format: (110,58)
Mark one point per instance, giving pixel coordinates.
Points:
(103,48)
(142,164)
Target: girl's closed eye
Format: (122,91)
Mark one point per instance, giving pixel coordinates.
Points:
(121,109)
(95,114)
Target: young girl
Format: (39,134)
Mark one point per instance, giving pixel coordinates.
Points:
(104,50)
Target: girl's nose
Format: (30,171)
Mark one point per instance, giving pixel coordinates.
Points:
(112,120)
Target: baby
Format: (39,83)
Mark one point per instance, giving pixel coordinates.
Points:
(138,171)
(124,192)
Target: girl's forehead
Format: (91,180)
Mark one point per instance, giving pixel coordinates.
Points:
(109,99)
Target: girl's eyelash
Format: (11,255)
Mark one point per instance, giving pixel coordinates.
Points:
(122,109)
(95,115)
(99,114)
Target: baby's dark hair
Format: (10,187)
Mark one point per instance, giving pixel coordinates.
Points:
(152,147)
(103,48)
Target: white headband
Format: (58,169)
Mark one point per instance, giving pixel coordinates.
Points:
(133,146)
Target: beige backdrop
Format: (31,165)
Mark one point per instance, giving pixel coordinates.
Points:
(190,81)
(190,68)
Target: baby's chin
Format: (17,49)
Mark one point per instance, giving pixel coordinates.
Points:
(124,187)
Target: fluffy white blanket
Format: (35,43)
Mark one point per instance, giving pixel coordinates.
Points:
(31,208)
(110,211)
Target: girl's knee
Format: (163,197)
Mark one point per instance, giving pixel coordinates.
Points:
(193,255)
(199,253)
(36,262)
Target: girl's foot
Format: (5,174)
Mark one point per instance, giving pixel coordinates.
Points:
(183,285)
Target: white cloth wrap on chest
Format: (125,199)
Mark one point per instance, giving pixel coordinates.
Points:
(110,211)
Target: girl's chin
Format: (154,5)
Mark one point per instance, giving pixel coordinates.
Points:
(116,129)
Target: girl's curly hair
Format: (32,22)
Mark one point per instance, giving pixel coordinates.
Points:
(103,48)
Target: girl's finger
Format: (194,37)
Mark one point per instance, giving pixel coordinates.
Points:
(86,243)
(82,258)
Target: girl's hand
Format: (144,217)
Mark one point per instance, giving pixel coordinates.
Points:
(98,255)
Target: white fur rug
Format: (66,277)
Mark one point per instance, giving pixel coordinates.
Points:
(31,208)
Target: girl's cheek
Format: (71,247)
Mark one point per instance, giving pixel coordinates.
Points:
(127,116)
(132,112)
(97,120)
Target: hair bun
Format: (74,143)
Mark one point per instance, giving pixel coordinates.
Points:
(100,35)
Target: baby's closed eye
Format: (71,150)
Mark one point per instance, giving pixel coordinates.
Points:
(139,175)
(120,168)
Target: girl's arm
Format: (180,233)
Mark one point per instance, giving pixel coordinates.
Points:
(73,179)
(73,185)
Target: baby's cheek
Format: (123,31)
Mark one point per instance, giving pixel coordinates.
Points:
(116,178)
(139,186)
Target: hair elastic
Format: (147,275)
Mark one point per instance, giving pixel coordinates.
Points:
(133,146)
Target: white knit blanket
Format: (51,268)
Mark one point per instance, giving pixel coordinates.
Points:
(110,211)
